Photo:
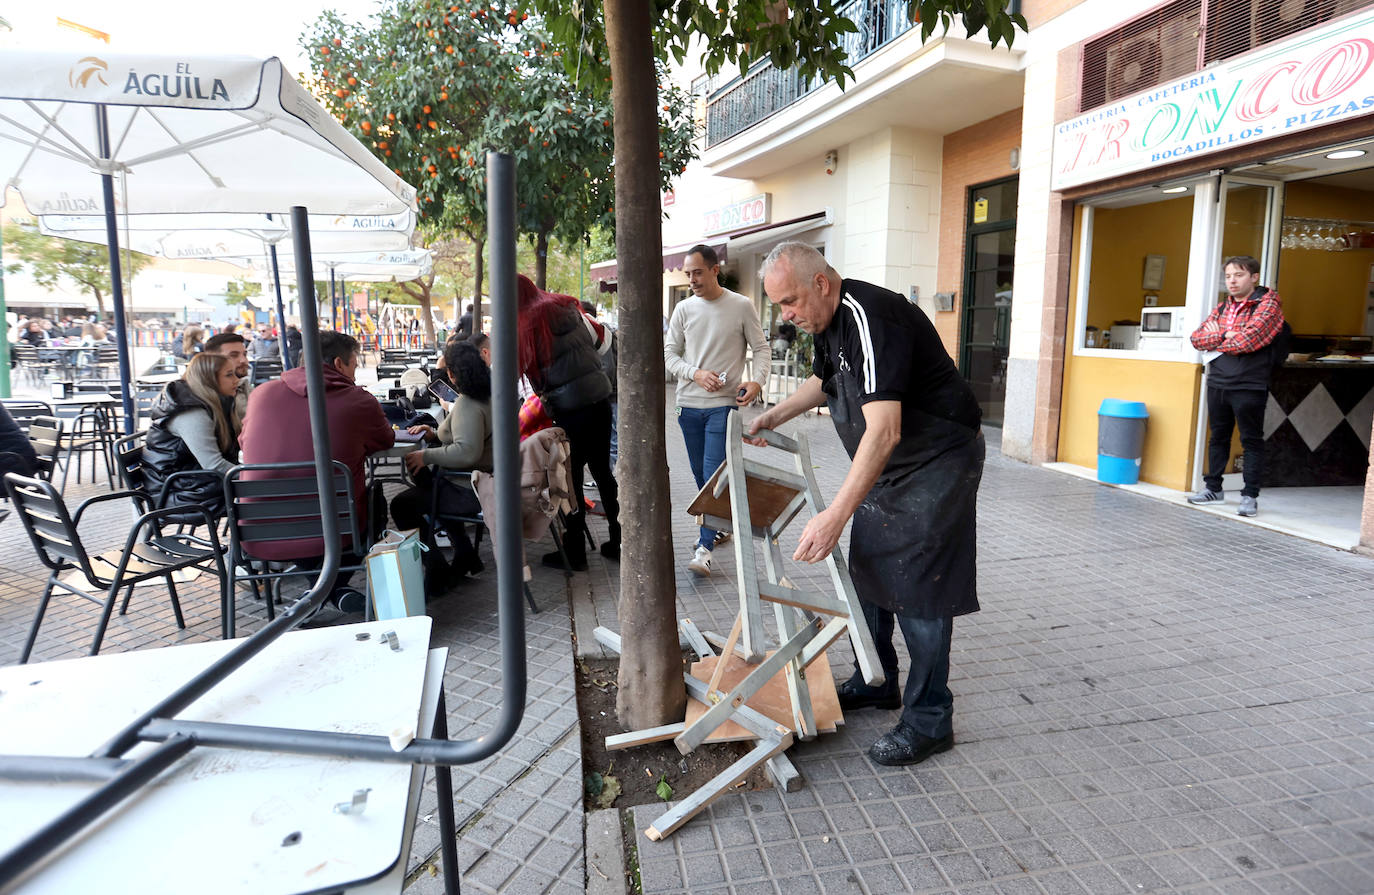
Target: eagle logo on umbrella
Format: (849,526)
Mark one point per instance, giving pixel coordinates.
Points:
(95,68)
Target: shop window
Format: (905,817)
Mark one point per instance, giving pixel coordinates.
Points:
(1138,249)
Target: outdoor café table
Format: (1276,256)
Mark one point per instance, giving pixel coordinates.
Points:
(223,820)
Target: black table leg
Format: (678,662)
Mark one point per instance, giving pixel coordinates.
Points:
(443,786)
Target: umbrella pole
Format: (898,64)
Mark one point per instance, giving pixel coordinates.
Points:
(281,310)
(102,129)
(333,301)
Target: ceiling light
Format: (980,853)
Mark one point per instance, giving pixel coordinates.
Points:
(1175,189)
(1342,154)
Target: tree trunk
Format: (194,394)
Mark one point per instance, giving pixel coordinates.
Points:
(651,689)
(426,298)
(541,259)
(99,303)
(477,246)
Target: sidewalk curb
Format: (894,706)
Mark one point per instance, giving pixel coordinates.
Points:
(605,854)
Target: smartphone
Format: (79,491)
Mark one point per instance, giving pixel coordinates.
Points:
(441,391)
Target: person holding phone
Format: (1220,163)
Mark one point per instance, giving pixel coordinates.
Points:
(461,442)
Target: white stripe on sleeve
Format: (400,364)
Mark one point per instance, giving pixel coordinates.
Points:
(865,340)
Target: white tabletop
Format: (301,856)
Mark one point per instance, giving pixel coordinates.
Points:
(217,820)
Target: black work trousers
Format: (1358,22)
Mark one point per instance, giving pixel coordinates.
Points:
(589,438)
(1226,409)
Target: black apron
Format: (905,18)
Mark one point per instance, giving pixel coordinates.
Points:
(913,546)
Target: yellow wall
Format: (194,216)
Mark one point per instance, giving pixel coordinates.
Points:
(1122,237)
(1170,392)
(1324,292)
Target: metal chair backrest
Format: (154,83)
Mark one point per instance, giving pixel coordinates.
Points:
(265,370)
(24,410)
(45,434)
(129,461)
(49,525)
(98,386)
(272,502)
(390,355)
(391,370)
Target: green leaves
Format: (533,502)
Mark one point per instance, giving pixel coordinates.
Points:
(663,790)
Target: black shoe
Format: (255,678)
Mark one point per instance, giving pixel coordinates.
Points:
(554,560)
(904,746)
(611,550)
(856,695)
(350,601)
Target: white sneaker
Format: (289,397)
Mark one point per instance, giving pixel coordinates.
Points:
(702,563)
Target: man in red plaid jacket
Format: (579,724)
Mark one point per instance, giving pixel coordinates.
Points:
(1242,328)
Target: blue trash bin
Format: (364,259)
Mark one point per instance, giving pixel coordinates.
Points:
(1120,440)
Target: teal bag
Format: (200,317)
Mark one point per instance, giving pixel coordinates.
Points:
(396,575)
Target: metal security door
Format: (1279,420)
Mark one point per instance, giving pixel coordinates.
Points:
(989,259)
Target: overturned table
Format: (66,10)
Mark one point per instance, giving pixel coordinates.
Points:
(229,820)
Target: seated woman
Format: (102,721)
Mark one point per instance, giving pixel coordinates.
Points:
(462,442)
(193,429)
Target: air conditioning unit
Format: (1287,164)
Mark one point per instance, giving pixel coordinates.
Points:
(1143,59)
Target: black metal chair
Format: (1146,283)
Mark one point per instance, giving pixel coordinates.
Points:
(265,369)
(45,434)
(88,431)
(106,360)
(25,409)
(35,369)
(267,510)
(391,370)
(148,552)
(128,453)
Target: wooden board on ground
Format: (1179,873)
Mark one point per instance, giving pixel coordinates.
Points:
(772,700)
(767,500)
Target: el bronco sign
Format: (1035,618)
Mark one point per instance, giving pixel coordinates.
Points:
(1313,78)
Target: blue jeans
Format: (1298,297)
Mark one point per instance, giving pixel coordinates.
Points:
(927,703)
(703,429)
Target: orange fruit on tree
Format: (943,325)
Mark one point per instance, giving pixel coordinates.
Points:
(426,110)
(337,42)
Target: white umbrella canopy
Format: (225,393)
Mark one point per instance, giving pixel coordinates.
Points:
(222,236)
(372,267)
(181,135)
(195,134)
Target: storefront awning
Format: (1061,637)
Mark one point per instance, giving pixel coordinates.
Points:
(672,258)
(608,271)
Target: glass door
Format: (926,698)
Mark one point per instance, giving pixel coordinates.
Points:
(989,259)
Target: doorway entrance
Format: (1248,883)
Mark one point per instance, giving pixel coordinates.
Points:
(989,258)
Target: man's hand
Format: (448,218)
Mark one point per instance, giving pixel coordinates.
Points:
(821,535)
(749,391)
(415,461)
(762,421)
(707,380)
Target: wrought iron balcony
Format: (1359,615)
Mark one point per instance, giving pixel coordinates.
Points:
(741,103)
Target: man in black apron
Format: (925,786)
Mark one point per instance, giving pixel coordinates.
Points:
(911,426)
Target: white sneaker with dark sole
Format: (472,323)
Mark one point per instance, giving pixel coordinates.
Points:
(702,564)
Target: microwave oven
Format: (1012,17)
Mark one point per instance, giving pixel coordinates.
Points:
(1161,323)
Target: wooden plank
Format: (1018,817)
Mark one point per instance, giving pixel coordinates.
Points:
(762,472)
(789,512)
(607,638)
(746,570)
(642,737)
(695,641)
(864,651)
(778,440)
(772,702)
(697,732)
(804,722)
(783,773)
(718,642)
(766,500)
(713,685)
(759,725)
(803,600)
(716,787)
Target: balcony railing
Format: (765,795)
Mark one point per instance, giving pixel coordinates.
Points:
(742,103)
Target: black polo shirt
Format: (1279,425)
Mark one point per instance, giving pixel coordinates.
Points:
(892,352)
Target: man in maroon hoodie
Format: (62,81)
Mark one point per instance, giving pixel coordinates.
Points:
(276,429)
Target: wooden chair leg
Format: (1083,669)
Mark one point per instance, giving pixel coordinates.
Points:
(37,619)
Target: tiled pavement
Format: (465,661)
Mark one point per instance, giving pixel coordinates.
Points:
(1152,699)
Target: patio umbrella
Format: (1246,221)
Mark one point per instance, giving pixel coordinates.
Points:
(180,134)
(237,238)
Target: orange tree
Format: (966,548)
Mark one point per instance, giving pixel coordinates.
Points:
(430,86)
(621,43)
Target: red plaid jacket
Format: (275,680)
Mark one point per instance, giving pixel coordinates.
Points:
(1255,321)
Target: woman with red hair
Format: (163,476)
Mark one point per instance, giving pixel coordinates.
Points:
(560,353)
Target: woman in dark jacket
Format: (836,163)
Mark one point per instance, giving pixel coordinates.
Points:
(193,430)
(560,354)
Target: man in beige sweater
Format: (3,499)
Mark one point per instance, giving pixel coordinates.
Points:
(708,335)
